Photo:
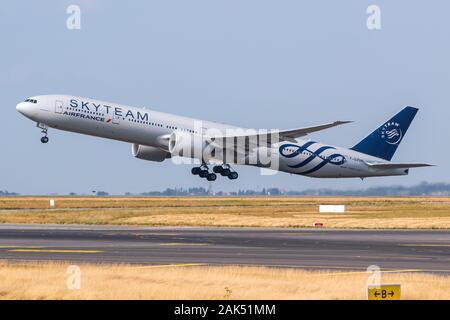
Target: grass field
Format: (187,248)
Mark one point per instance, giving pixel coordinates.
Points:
(33,280)
(394,212)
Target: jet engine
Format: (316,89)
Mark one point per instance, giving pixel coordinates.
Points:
(149,153)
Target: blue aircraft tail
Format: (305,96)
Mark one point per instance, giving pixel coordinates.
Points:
(383,142)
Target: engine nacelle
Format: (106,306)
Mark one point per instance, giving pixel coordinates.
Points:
(187,145)
(149,153)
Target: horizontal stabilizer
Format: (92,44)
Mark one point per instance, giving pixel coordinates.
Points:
(385,166)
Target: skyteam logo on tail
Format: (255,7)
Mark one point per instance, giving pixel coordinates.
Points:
(391,133)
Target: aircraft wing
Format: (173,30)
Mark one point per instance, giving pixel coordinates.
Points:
(286,135)
(397,165)
(290,135)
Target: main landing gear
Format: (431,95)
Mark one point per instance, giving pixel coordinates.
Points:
(44,130)
(224,170)
(203,172)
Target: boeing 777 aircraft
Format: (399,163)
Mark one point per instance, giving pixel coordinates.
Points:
(156,136)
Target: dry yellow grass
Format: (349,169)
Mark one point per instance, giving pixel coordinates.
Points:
(49,281)
(389,212)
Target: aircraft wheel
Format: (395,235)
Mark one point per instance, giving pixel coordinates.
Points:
(218,169)
(203,174)
(195,170)
(44,139)
(233,175)
(211,177)
(225,172)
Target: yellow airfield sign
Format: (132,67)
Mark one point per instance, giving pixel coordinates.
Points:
(383,292)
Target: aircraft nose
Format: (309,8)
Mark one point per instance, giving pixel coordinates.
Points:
(21,107)
(26,109)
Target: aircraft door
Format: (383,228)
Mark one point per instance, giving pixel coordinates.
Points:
(59,106)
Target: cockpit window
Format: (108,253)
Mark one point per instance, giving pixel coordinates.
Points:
(31,100)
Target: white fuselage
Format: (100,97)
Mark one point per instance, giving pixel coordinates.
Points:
(145,127)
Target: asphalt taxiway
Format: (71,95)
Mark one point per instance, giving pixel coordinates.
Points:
(413,250)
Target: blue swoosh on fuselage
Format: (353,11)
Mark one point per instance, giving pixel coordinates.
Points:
(299,149)
(313,155)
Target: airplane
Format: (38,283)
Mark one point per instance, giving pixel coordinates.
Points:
(157,136)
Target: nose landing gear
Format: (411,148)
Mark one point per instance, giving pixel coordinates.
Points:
(44,130)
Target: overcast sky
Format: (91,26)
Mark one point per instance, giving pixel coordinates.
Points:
(253,63)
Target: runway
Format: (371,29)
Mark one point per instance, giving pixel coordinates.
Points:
(427,250)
